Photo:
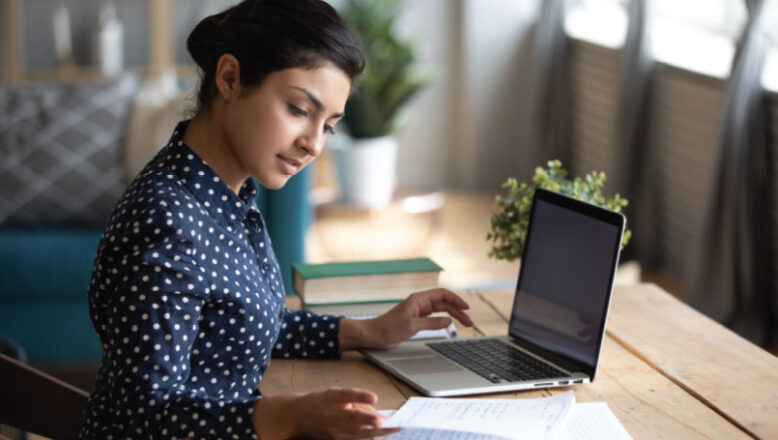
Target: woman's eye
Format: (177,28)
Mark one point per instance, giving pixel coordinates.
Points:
(297,110)
(329,129)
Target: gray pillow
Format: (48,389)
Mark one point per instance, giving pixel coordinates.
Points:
(60,152)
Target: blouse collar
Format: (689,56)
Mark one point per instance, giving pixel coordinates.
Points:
(195,173)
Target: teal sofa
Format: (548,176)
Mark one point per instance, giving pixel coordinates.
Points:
(45,272)
(61,172)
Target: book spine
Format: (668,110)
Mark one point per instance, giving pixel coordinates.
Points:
(349,303)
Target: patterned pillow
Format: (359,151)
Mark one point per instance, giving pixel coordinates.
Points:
(60,152)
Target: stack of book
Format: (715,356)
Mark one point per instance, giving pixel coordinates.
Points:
(362,287)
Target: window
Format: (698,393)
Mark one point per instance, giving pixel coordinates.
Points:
(770,72)
(603,22)
(698,35)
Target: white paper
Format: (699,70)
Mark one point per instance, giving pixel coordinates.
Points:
(593,421)
(440,434)
(481,419)
(587,421)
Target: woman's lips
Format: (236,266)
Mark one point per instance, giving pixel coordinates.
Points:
(289,166)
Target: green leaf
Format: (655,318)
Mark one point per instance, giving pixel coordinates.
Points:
(391,77)
(510,220)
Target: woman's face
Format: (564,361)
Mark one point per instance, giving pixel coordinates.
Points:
(279,127)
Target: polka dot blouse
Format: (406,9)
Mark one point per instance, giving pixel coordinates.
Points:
(187,298)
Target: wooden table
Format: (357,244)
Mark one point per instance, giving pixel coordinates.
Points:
(666,370)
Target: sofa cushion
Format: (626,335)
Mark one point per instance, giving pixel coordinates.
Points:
(40,265)
(60,152)
(56,332)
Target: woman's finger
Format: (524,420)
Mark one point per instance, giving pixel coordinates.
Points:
(351,395)
(367,408)
(354,419)
(434,323)
(445,295)
(441,305)
(452,310)
(428,301)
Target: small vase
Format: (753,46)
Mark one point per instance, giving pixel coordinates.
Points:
(366,170)
(109,41)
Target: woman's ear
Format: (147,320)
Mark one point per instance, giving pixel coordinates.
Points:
(228,76)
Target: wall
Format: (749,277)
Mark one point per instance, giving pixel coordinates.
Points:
(38,34)
(427,139)
(2,37)
(496,80)
(464,130)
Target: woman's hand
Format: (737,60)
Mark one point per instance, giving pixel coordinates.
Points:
(404,320)
(332,414)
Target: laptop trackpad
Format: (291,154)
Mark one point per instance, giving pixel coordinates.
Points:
(424,365)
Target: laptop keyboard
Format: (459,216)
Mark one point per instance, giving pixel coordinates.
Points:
(496,361)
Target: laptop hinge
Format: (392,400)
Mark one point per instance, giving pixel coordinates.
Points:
(548,355)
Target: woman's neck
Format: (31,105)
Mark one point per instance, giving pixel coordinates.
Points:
(206,137)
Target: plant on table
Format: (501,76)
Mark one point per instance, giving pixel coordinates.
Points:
(510,220)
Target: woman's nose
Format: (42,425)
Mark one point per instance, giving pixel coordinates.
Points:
(312,142)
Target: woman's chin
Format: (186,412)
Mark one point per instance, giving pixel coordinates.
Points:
(276,182)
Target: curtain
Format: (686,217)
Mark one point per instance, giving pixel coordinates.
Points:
(634,163)
(548,135)
(727,277)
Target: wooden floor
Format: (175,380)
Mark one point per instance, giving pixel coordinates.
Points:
(454,236)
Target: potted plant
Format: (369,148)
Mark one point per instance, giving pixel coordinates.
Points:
(365,161)
(510,220)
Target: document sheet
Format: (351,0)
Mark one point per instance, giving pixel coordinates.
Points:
(425,418)
(593,421)
(557,417)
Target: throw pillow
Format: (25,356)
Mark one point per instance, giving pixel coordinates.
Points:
(60,152)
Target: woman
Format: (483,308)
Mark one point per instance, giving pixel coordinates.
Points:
(186,294)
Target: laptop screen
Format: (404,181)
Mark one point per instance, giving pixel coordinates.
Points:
(567,272)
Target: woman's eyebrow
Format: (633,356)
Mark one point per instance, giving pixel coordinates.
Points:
(316,101)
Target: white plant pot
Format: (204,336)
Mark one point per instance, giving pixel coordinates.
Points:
(366,170)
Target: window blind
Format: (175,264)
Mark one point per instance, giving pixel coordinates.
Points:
(685,117)
(772,155)
(593,71)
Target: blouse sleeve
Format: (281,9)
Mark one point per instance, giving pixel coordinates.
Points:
(308,335)
(153,326)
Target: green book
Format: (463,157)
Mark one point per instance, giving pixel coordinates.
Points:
(363,281)
(352,268)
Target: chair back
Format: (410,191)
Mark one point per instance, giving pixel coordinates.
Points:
(39,403)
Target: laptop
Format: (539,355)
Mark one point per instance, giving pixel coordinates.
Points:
(558,317)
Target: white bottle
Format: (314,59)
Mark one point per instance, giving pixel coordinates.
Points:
(110,36)
(63,44)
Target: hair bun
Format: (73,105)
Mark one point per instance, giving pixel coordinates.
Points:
(255,7)
(205,39)
(270,35)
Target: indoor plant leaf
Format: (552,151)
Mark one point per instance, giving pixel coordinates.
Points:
(510,220)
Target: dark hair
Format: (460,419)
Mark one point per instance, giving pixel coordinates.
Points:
(270,35)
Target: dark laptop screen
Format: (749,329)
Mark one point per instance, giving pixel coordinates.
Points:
(566,277)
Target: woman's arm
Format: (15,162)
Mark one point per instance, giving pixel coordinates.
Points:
(151,331)
(403,320)
(305,334)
